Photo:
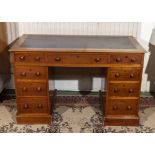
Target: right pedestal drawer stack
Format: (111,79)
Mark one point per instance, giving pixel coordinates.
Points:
(123,90)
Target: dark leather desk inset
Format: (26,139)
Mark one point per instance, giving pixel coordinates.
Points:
(121,56)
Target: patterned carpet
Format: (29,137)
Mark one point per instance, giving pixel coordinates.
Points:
(76,114)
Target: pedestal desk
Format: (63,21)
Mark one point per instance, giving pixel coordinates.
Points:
(121,56)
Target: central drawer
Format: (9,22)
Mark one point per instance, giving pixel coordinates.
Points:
(124,89)
(76,58)
(31,88)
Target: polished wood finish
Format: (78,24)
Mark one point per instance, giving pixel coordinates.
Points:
(32,88)
(122,107)
(32,104)
(31,72)
(121,121)
(23,58)
(126,58)
(76,58)
(123,89)
(125,74)
(33,118)
(121,56)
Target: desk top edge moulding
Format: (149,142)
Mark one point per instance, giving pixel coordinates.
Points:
(121,56)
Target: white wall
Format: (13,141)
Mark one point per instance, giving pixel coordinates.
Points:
(89,28)
(12,31)
(139,30)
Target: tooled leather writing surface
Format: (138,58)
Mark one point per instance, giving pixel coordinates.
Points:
(62,41)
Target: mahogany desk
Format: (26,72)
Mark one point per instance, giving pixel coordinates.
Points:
(122,57)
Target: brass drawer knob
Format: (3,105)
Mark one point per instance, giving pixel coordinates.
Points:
(130,90)
(131,75)
(129,107)
(39,89)
(133,59)
(98,60)
(23,73)
(117,75)
(37,58)
(26,106)
(24,89)
(22,57)
(37,73)
(39,106)
(118,59)
(116,90)
(115,107)
(57,59)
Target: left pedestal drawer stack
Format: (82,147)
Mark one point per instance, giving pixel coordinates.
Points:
(33,104)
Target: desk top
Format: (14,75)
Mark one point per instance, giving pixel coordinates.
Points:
(78,43)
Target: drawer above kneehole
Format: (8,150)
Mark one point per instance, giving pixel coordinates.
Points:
(76,59)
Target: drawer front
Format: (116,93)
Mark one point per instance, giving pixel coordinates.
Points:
(31,88)
(35,57)
(118,74)
(29,72)
(73,58)
(124,89)
(125,58)
(32,105)
(122,107)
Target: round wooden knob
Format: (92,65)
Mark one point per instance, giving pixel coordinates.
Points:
(22,57)
(129,107)
(24,89)
(39,106)
(23,73)
(130,90)
(131,75)
(39,89)
(115,107)
(26,106)
(133,59)
(117,75)
(37,73)
(116,90)
(57,59)
(37,58)
(98,59)
(118,59)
